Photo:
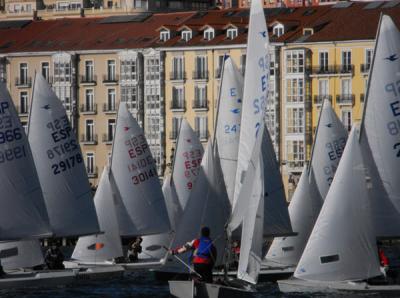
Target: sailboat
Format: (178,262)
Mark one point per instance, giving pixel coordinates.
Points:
(363,186)
(330,139)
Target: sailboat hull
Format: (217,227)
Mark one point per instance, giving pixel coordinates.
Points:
(295,285)
(32,279)
(190,288)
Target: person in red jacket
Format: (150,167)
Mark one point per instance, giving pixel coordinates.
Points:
(204,254)
(384,261)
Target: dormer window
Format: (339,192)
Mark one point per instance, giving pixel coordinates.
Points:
(232,33)
(278,30)
(308,31)
(164,35)
(186,35)
(209,34)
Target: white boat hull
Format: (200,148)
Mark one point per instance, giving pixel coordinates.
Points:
(126,266)
(31,279)
(267,273)
(99,273)
(295,285)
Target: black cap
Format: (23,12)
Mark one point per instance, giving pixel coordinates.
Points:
(205,231)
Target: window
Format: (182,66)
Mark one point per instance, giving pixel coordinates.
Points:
(164,35)
(45,70)
(368,59)
(200,127)
(178,98)
(200,97)
(152,69)
(295,62)
(209,34)
(24,124)
(111,100)
(23,73)
(295,152)
(295,120)
(220,64)
(177,68)
(89,130)
(111,70)
(347,119)
(200,68)
(295,90)
(62,72)
(128,70)
(129,95)
(139,4)
(346,86)
(278,30)
(2,71)
(23,102)
(176,122)
(232,33)
(346,61)
(323,61)
(186,35)
(110,129)
(89,100)
(90,165)
(243,63)
(323,87)
(89,71)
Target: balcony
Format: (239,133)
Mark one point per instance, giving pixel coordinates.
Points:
(177,105)
(23,110)
(109,108)
(202,134)
(90,109)
(364,68)
(107,138)
(218,73)
(345,99)
(173,135)
(88,79)
(200,104)
(323,70)
(319,99)
(346,69)
(200,75)
(89,139)
(110,79)
(92,172)
(177,75)
(23,82)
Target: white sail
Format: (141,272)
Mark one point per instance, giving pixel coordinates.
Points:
(303,214)
(252,231)
(133,168)
(60,165)
(255,90)
(105,246)
(228,122)
(381,123)
(330,140)
(23,213)
(187,160)
(21,254)
(342,245)
(174,213)
(208,205)
(276,215)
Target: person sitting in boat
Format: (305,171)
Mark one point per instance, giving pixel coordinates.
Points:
(135,249)
(204,254)
(54,258)
(235,254)
(384,262)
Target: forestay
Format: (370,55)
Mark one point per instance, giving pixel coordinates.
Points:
(133,169)
(227,129)
(21,254)
(381,123)
(255,91)
(187,160)
(21,197)
(60,165)
(105,246)
(342,245)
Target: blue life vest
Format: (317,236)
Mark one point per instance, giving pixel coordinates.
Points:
(204,249)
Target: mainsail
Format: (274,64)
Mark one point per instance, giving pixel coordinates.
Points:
(135,176)
(23,213)
(60,165)
(342,245)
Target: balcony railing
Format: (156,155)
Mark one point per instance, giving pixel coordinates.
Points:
(295,164)
(365,67)
(109,108)
(107,138)
(88,109)
(88,79)
(346,68)
(23,82)
(92,172)
(177,104)
(345,99)
(173,134)
(23,110)
(202,134)
(199,104)
(110,78)
(319,99)
(323,70)
(177,75)
(90,139)
(200,75)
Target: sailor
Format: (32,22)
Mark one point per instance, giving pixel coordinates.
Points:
(135,249)
(204,254)
(384,261)
(54,258)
